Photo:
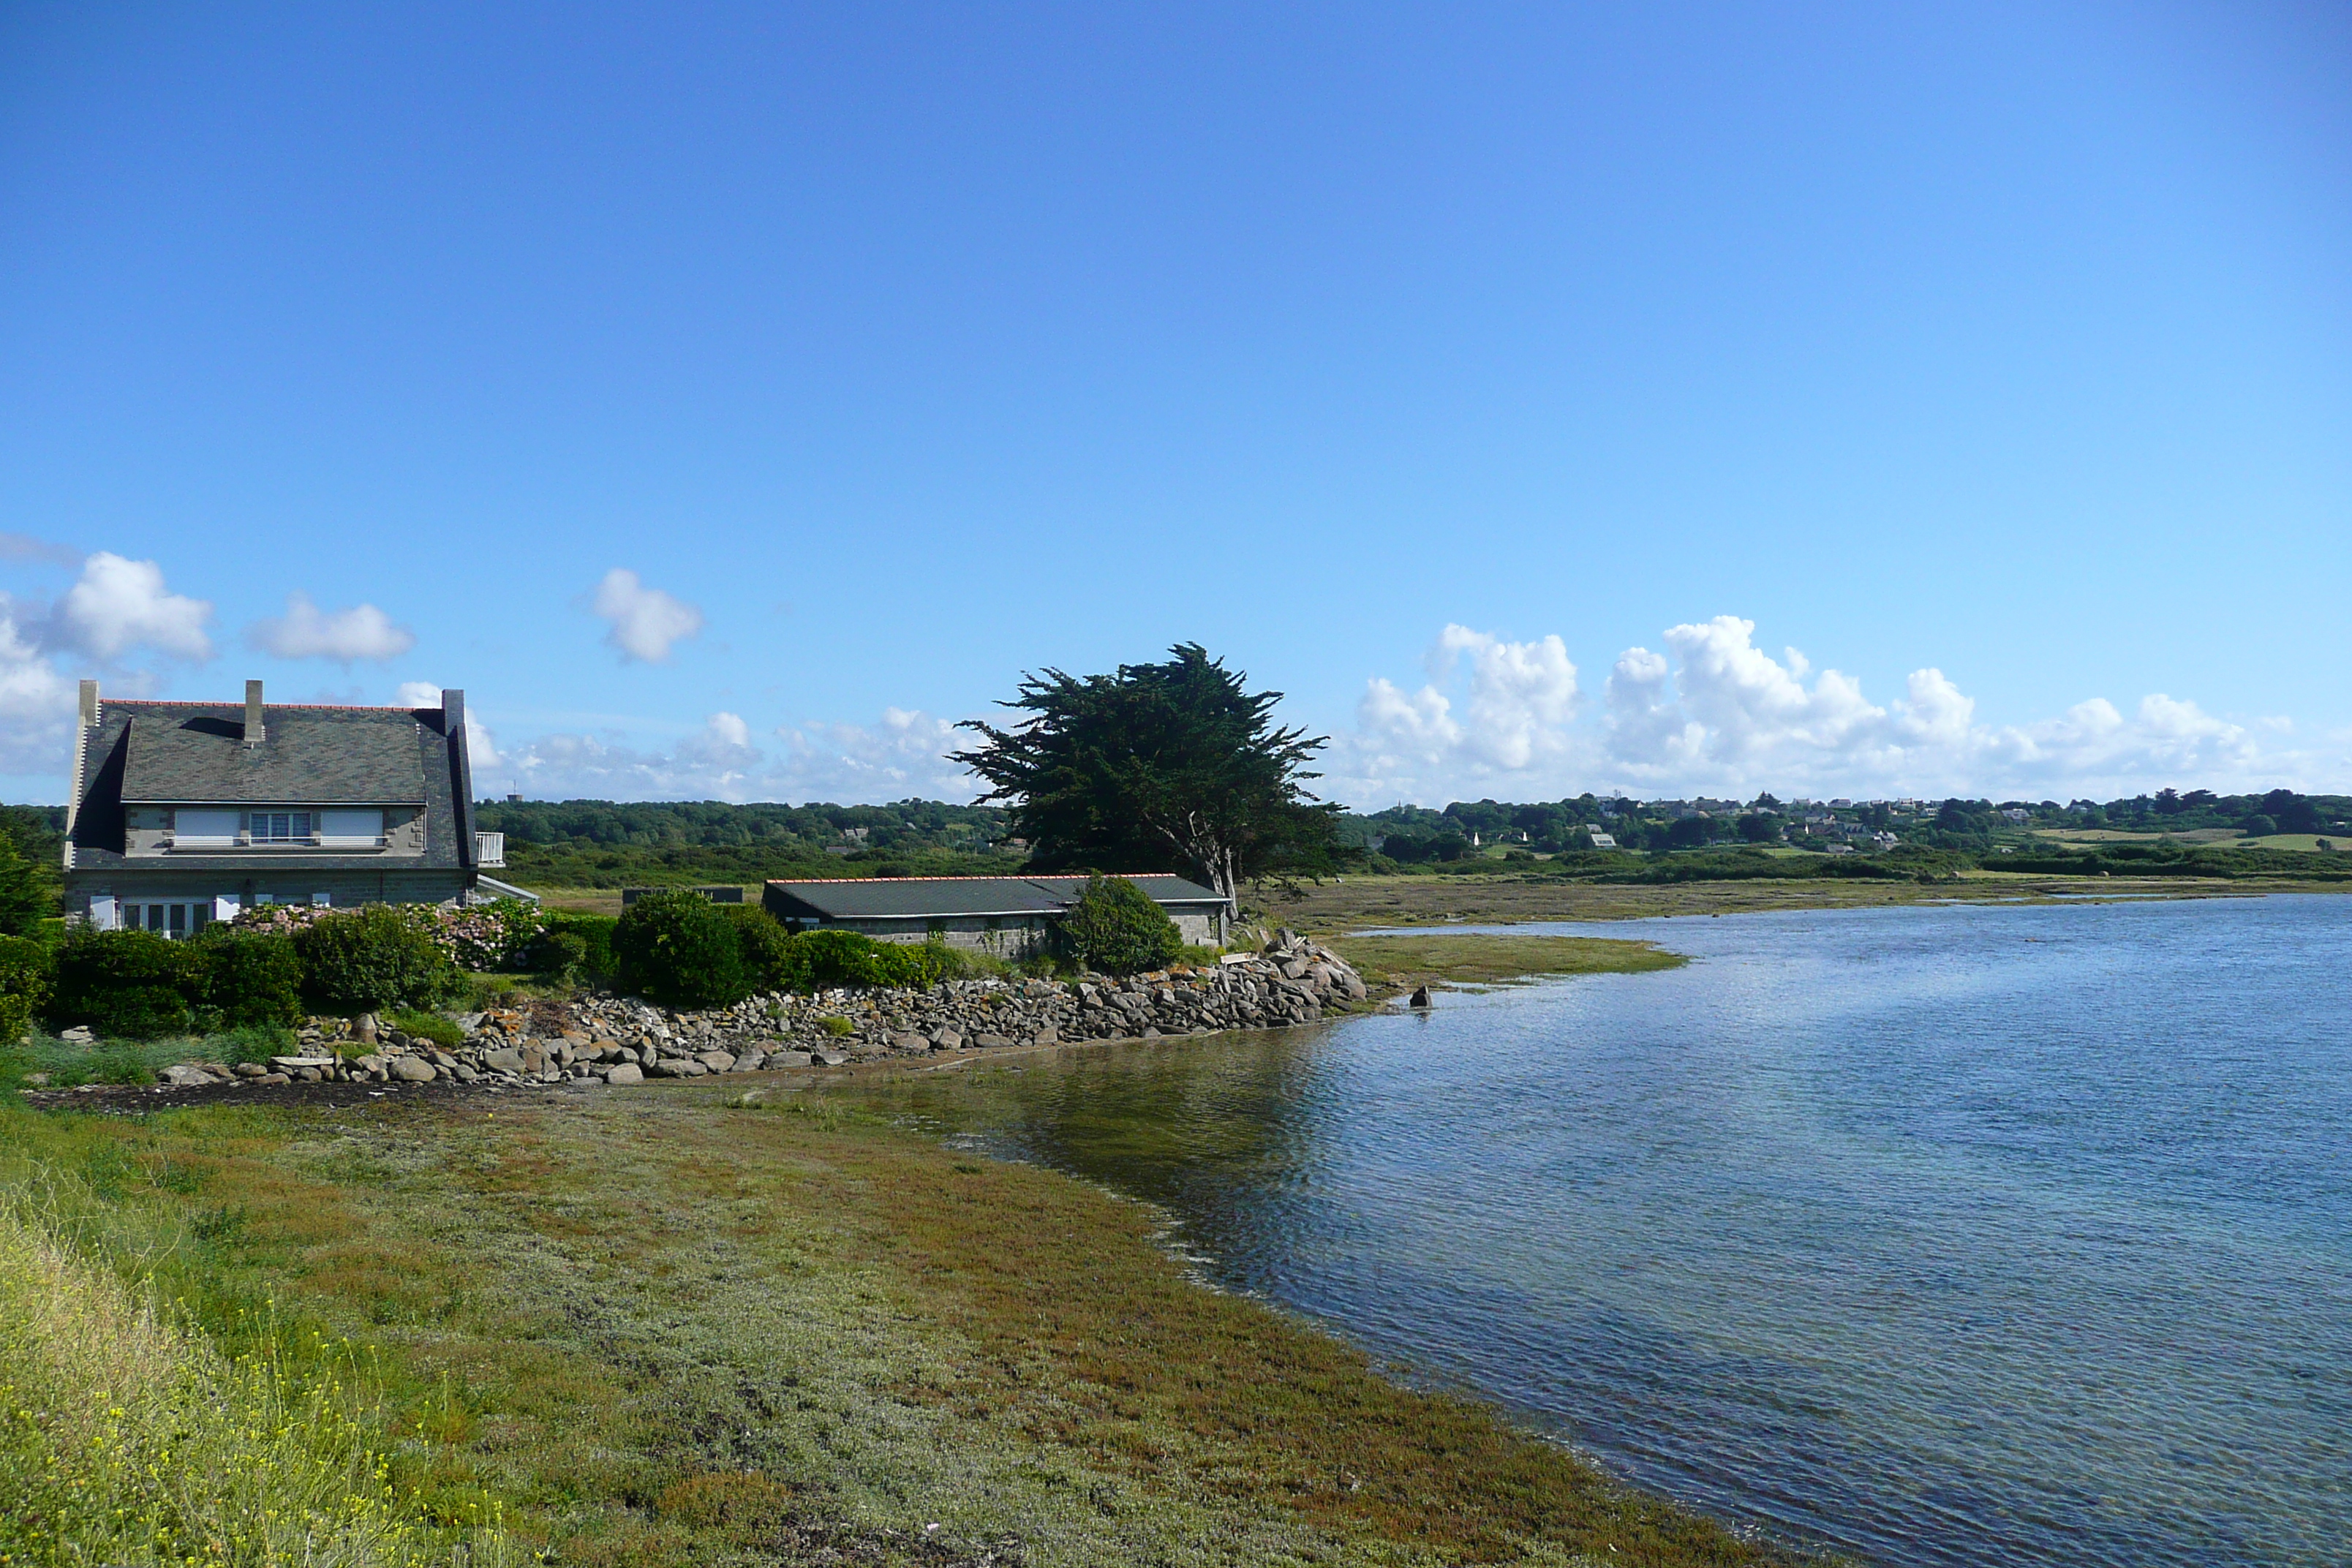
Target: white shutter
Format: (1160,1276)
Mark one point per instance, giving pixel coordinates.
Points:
(351,829)
(101,912)
(202,829)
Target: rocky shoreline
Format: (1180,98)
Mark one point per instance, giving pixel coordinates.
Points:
(623,1041)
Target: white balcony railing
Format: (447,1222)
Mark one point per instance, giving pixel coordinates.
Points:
(490,850)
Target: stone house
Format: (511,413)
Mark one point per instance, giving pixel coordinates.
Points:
(1006,915)
(184,812)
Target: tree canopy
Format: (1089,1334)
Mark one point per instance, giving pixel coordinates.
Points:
(1123,773)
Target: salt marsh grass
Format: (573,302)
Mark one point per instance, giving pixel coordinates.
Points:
(127,1437)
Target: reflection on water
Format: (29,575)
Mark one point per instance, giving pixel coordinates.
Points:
(1941,1236)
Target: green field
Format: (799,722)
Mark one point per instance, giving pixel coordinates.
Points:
(1441,958)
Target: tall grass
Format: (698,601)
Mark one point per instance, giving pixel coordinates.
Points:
(134,1061)
(126,1438)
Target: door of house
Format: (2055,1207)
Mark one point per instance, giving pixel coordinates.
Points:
(176,922)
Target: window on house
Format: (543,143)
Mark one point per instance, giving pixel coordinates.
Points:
(192,828)
(343,830)
(281,826)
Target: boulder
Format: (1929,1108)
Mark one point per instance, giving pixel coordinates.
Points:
(716,1061)
(790,1058)
(624,1072)
(410,1070)
(505,1059)
(750,1062)
(185,1075)
(300,1064)
(908,1041)
(831,1058)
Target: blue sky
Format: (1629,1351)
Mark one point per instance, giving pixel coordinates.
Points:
(731,398)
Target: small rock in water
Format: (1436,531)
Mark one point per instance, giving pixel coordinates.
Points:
(1420,996)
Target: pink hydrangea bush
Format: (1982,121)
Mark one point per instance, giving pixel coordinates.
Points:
(486,936)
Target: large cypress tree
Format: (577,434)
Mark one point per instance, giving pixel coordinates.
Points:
(1176,760)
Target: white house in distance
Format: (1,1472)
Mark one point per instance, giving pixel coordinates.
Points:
(184,812)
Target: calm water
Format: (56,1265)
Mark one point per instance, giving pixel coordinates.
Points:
(1945,1235)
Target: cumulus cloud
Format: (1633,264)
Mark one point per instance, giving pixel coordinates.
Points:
(115,608)
(1515,700)
(904,755)
(480,749)
(117,604)
(305,631)
(646,622)
(37,703)
(1715,714)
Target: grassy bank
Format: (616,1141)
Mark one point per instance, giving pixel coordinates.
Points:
(652,1328)
(1356,902)
(1443,958)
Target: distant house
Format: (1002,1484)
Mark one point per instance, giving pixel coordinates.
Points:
(1006,915)
(184,812)
(1603,840)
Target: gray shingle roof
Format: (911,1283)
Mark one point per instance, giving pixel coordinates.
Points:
(321,757)
(193,753)
(922,898)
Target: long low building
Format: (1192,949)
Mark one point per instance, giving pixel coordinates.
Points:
(1006,915)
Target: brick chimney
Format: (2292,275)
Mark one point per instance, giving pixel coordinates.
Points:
(254,733)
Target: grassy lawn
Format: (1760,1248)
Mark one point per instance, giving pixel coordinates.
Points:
(650,1327)
(1442,958)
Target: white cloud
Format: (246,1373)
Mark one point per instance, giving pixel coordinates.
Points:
(37,704)
(904,755)
(1516,703)
(117,604)
(480,749)
(646,622)
(1716,714)
(305,631)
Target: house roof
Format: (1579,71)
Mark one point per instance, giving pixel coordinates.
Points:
(190,756)
(193,753)
(922,898)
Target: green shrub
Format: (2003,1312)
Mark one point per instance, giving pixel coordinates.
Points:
(767,948)
(125,984)
(443,1032)
(1116,929)
(823,960)
(27,975)
(675,946)
(359,960)
(247,977)
(574,944)
(836,1025)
